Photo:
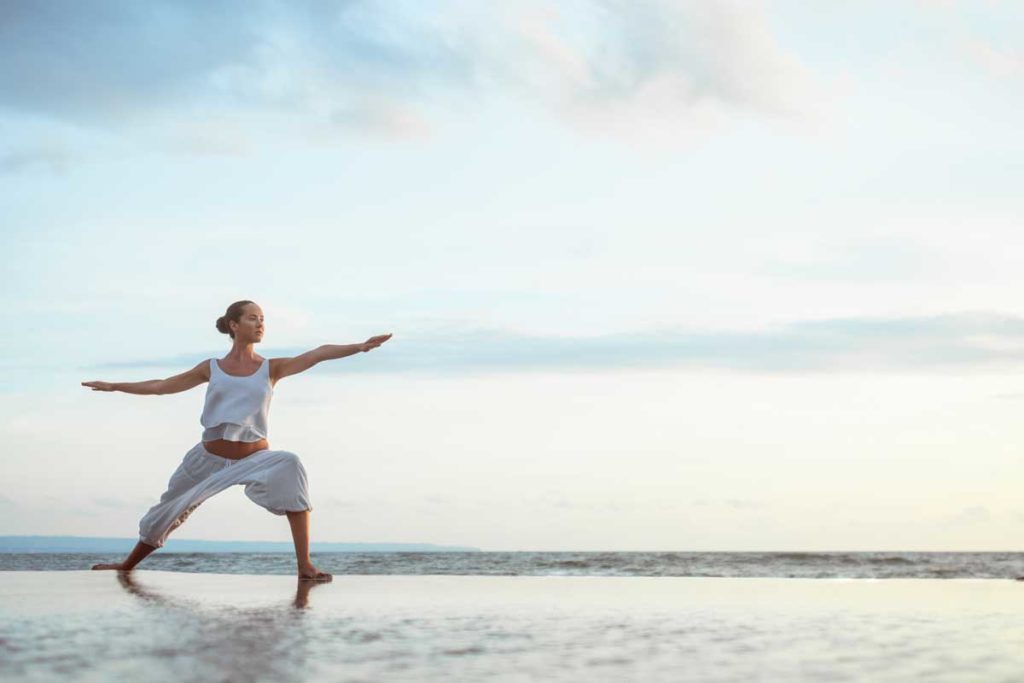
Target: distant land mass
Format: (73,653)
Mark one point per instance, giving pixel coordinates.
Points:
(96,544)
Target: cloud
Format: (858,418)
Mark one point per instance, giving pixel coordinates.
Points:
(107,61)
(975,514)
(955,341)
(873,261)
(1004,63)
(984,34)
(733,503)
(387,119)
(618,67)
(50,156)
(689,65)
(127,504)
(210,139)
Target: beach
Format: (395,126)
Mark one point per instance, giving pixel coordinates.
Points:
(155,625)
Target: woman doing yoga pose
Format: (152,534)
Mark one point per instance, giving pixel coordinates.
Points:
(234,447)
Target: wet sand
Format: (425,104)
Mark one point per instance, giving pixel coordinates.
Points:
(171,626)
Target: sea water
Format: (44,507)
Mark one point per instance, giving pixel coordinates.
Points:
(812,565)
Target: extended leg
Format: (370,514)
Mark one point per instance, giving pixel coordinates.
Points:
(180,483)
(138,554)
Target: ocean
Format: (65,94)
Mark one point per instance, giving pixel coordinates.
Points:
(804,565)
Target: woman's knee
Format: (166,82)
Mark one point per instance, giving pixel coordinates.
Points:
(289,458)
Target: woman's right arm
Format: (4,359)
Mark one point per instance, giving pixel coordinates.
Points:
(171,385)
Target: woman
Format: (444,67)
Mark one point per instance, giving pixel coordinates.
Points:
(234,447)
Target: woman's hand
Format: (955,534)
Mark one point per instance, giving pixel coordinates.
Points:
(374,342)
(99,386)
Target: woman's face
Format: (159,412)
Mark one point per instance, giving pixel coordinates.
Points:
(250,325)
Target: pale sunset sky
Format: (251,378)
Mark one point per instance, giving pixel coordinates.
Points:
(661,275)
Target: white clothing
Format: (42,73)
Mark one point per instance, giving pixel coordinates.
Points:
(236,407)
(275,480)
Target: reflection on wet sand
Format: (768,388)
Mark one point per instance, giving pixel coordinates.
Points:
(229,642)
(130,583)
(170,626)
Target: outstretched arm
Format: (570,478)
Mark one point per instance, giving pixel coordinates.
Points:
(284,367)
(171,385)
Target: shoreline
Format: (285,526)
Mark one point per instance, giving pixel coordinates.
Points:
(52,591)
(141,572)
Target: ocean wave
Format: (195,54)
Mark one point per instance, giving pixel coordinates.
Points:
(866,565)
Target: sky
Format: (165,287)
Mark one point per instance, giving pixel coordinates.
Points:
(661,275)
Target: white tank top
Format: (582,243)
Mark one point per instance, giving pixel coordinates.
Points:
(236,407)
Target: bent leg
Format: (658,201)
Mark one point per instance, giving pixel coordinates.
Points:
(279,483)
(299,522)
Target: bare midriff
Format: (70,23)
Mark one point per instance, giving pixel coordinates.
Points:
(235,450)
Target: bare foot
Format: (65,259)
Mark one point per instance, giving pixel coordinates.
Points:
(311,573)
(119,567)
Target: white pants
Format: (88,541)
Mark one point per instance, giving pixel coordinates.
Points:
(275,480)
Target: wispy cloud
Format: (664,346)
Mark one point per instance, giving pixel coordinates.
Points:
(210,139)
(858,261)
(114,60)
(677,70)
(48,155)
(133,503)
(1001,62)
(382,117)
(975,514)
(616,66)
(733,503)
(957,341)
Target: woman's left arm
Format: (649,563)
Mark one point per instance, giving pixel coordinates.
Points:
(284,367)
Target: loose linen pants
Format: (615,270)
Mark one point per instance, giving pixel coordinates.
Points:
(275,480)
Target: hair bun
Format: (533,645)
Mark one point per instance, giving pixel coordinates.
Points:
(234,312)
